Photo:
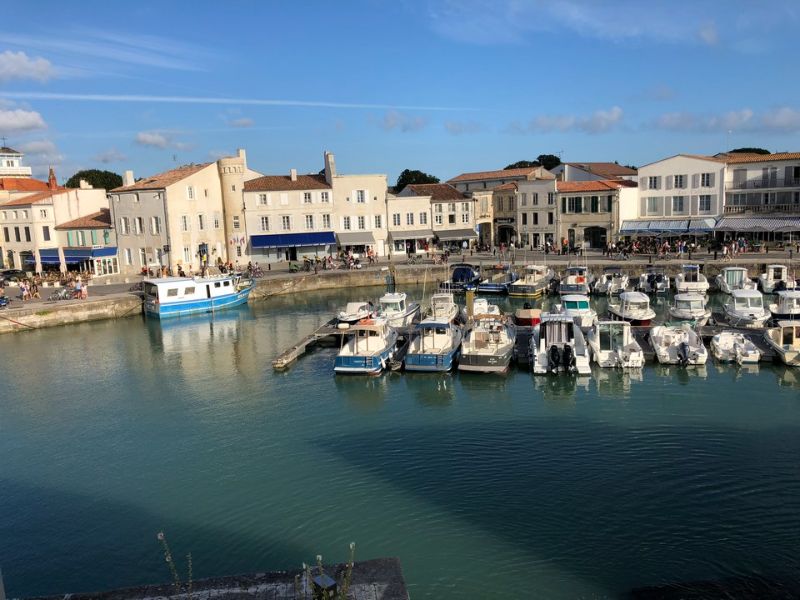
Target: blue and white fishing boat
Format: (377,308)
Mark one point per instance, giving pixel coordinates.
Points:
(175,296)
(497,281)
(434,346)
(369,349)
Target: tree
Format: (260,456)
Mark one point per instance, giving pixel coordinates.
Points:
(548,161)
(748,151)
(408,177)
(106,180)
(522,164)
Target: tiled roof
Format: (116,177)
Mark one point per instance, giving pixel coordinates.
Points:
(437,191)
(22,184)
(524,172)
(604,169)
(593,186)
(284,183)
(506,187)
(749,158)
(33,198)
(98,220)
(162,180)
(7,150)
(704,157)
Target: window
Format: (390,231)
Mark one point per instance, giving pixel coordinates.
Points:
(284,199)
(705,203)
(524,218)
(535,218)
(678,204)
(124,226)
(524,200)
(138,225)
(346,223)
(680,181)
(172,292)
(451,207)
(326,221)
(378,222)
(188,291)
(187,254)
(16,234)
(451,219)
(511,204)
(236,222)
(238,251)
(307,197)
(362,222)
(217,221)
(14,214)
(437,219)
(43,213)
(575,204)
(24,214)
(233,188)
(264,222)
(551,198)
(361,196)
(143,257)
(409,218)
(465,207)
(262,199)
(549,218)
(653,183)
(201,222)
(324,197)
(309,221)
(595,204)
(6,234)
(535,198)
(184,222)
(27,234)
(465,217)
(706,179)
(438,208)
(5,215)
(286,222)
(128,256)
(80,237)
(155,225)
(45,233)
(396,219)
(190,192)
(423,218)
(653,205)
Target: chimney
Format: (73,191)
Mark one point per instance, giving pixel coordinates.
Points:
(127,178)
(241,154)
(293,174)
(330,167)
(84,185)
(52,183)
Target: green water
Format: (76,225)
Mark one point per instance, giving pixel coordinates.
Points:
(484,486)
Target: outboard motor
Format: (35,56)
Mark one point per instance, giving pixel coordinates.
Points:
(553,358)
(683,354)
(568,356)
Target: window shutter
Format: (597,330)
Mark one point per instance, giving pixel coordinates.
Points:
(563,205)
(642,182)
(658,182)
(642,206)
(668,206)
(693,205)
(669,182)
(353,196)
(69,238)
(711,179)
(713,203)
(366,195)
(695,181)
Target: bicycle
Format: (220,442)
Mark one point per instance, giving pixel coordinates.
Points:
(62,294)
(412,260)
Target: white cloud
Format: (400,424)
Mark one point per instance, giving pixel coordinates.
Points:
(782,119)
(38,147)
(708,34)
(601,121)
(395,120)
(242,122)
(17,65)
(18,120)
(462,127)
(111,155)
(41,154)
(152,138)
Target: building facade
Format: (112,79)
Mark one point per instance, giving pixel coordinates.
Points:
(410,223)
(11,163)
(88,244)
(536,213)
(452,212)
(468,183)
(589,211)
(593,171)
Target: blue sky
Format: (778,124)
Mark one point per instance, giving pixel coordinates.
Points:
(444,86)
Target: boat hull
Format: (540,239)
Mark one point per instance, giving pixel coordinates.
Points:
(192,307)
(430,363)
(485,363)
(527,291)
(363,365)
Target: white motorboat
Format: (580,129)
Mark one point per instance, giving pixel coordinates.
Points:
(785,340)
(633,307)
(354,312)
(775,279)
(678,345)
(786,307)
(613,345)
(481,308)
(557,345)
(444,307)
(612,281)
(745,308)
(576,280)
(533,282)
(689,307)
(654,281)
(579,308)
(734,278)
(691,280)
(488,345)
(370,347)
(434,346)
(731,346)
(397,309)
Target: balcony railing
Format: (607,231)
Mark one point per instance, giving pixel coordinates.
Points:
(763,183)
(762,208)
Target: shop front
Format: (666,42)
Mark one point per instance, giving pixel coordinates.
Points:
(456,240)
(98,261)
(356,242)
(289,246)
(411,242)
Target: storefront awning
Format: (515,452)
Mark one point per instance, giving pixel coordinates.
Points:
(356,238)
(701,225)
(418,234)
(673,226)
(753,224)
(290,240)
(450,235)
(631,227)
(658,227)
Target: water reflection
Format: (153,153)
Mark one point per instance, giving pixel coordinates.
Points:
(364,392)
(616,383)
(432,389)
(682,375)
(560,390)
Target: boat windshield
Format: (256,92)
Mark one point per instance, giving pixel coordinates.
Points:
(151,289)
(689,304)
(777,273)
(754,302)
(638,305)
(576,304)
(391,306)
(734,277)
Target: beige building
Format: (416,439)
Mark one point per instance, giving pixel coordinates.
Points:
(536,213)
(488,180)
(589,211)
(409,219)
(453,213)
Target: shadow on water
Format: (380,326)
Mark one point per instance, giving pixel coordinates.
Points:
(60,533)
(611,505)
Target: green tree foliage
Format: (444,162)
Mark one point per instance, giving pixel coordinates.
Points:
(522,164)
(107,180)
(408,177)
(548,161)
(748,151)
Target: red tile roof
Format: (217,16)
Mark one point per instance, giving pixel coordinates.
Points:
(608,170)
(593,186)
(284,183)
(507,173)
(22,184)
(33,198)
(437,191)
(162,180)
(98,220)
(750,158)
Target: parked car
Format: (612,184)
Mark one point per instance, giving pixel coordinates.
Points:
(11,275)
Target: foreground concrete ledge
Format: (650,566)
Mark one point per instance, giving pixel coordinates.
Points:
(376,579)
(36,315)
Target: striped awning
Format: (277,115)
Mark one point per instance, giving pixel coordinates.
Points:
(668,226)
(417,234)
(752,224)
(631,227)
(701,225)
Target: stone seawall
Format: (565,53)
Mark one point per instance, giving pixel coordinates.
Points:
(51,314)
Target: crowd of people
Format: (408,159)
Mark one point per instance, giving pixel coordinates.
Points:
(75,288)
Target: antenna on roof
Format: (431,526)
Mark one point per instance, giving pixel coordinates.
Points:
(4,140)
(174,158)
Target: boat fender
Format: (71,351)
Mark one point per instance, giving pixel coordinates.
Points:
(383,363)
(343,326)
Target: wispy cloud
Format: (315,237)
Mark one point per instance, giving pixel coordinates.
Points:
(158,139)
(779,120)
(18,120)
(18,65)
(660,92)
(215,100)
(41,154)
(111,155)
(601,121)
(242,122)
(396,121)
(462,127)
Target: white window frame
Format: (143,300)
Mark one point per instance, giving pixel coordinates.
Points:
(362,222)
(286,223)
(307,199)
(395,219)
(186,224)
(264,223)
(410,218)
(378,222)
(423,218)
(309,219)
(326,221)
(324,197)
(346,223)
(361,196)
(190,192)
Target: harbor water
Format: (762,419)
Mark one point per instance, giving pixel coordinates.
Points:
(484,486)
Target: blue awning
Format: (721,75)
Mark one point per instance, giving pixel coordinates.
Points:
(631,227)
(48,253)
(668,226)
(288,240)
(702,225)
(79,253)
(53,260)
(103,252)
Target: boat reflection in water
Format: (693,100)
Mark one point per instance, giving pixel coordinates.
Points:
(681,376)
(561,390)
(366,393)
(616,383)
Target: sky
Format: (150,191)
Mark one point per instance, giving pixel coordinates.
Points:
(443,86)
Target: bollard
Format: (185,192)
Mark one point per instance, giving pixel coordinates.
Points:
(269,266)
(715,255)
(649,259)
